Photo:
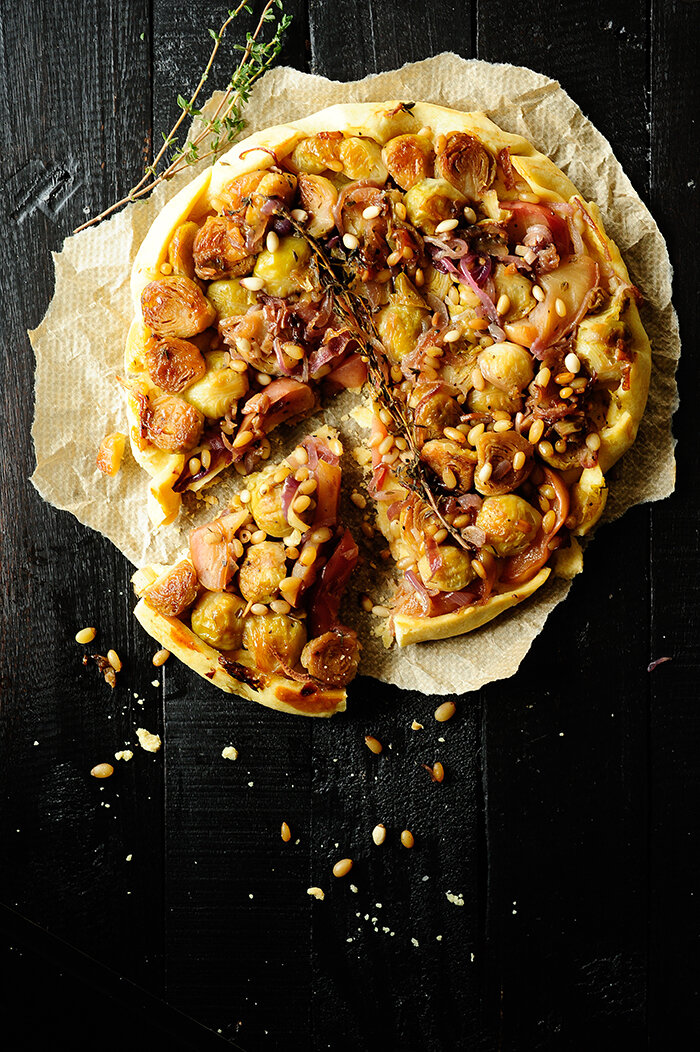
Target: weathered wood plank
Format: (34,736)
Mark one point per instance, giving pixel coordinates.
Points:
(674,733)
(78,140)
(565,741)
(237,914)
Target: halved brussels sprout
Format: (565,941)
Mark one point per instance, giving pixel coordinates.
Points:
(230,298)
(262,570)
(176,306)
(217,618)
(507,366)
(174,364)
(496,451)
(509,522)
(174,592)
(281,270)
(466,164)
(318,196)
(432,200)
(454,572)
(443,456)
(317,153)
(266,508)
(173,425)
(362,159)
(409,158)
(180,249)
(275,641)
(517,288)
(333,657)
(220,387)
(401,323)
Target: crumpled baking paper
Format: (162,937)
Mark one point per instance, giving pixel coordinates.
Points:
(79,351)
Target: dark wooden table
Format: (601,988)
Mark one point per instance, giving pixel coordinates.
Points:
(162,904)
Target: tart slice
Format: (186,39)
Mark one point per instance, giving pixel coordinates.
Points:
(254,604)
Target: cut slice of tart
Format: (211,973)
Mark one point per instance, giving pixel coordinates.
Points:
(253,606)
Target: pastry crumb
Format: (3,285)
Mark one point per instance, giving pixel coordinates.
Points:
(416,726)
(149,742)
(455,899)
(124,754)
(229,753)
(316,893)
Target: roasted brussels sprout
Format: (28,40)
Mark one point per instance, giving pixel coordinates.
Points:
(266,508)
(245,200)
(173,425)
(174,364)
(362,159)
(180,249)
(217,618)
(280,270)
(498,454)
(409,158)
(220,387)
(465,163)
(434,410)
(492,399)
(175,306)
(517,288)
(220,250)
(452,570)
(507,366)
(332,657)
(174,592)
(452,463)
(262,570)
(230,298)
(318,197)
(401,323)
(432,200)
(275,641)
(510,524)
(317,153)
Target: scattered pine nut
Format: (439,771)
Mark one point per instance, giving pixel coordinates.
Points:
(160,657)
(407,838)
(373,744)
(102,770)
(286,833)
(379,834)
(114,660)
(445,711)
(85,635)
(342,868)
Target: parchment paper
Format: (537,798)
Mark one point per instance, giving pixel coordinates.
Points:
(79,350)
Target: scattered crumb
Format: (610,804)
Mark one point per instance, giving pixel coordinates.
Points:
(353,889)
(416,726)
(455,899)
(155,682)
(251,784)
(438,938)
(124,754)
(129,858)
(415,942)
(104,666)
(230,753)
(149,742)
(317,893)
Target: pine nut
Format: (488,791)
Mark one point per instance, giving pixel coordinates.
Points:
(407,838)
(285,833)
(272,241)
(446,225)
(102,770)
(342,868)
(160,657)
(379,834)
(445,711)
(373,744)
(351,242)
(252,284)
(371,212)
(85,635)
(114,660)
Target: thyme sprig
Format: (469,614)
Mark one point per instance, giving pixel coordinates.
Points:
(222,127)
(355,314)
